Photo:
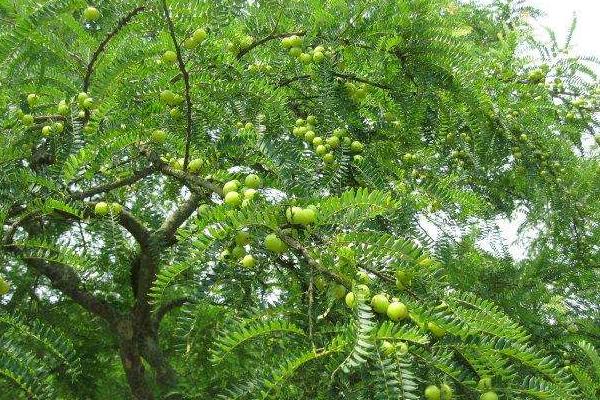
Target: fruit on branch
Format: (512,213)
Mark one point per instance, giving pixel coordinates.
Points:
(91,14)
(305,58)
(432,392)
(338,291)
(301,216)
(231,186)
(4,286)
(253,181)
(485,383)
(168,97)
(350,299)
(63,108)
(311,120)
(397,311)
(363,277)
(321,150)
(233,199)
(249,194)
(32,99)
(300,122)
(88,103)
(387,348)
(159,136)
(248,261)
(333,141)
(58,127)
(81,98)
(317,56)
(318,140)
(380,303)
(169,56)
(296,41)
(101,208)
(446,392)
(358,158)
(46,130)
(295,52)
(489,396)
(242,238)
(274,244)
(190,43)
(362,291)
(357,146)
(199,35)
(309,136)
(175,113)
(248,126)
(116,208)
(435,329)
(339,132)
(195,165)
(27,119)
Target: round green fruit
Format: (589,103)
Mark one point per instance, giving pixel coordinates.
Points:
(432,392)
(305,58)
(333,141)
(159,136)
(32,99)
(295,51)
(28,119)
(305,216)
(397,311)
(230,186)
(363,277)
(116,208)
(88,103)
(286,42)
(58,127)
(435,329)
(4,287)
(300,122)
(446,392)
(380,303)
(321,150)
(233,199)
(274,244)
(169,56)
(166,96)
(387,348)
(311,119)
(318,56)
(357,146)
(309,136)
(318,140)
(91,14)
(46,130)
(350,300)
(489,396)
(63,108)
(363,291)
(485,383)
(291,212)
(253,181)
(195,165)
(248,261)
(242,238)
(101,208)
(296,41)
(81,97)
(338,291)
(199,35)
(249,194)
(190,43)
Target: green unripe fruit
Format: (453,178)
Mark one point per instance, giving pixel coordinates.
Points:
(363,277)
(446,392)
(350,300)
(397,311)
(305,58)
(485,383)
(233,199)
(432,392)
(28,119)
(242,238)
(63,108)
(230,186)
(305,216)
(169,56)
(195,165)
(32,99)
(435,329)
(387,348)
(88,103)
(159,136)
(46,130)
(321,150)
(175,113)
(81,97)
(291,213)
(357,146)
(199,35)
(358,158)
(309,136)
(296,41)
(253,181)
(190,43)
(249,194)
(4,286)
(58,127)
(311,119)
(295,51)
(286,42)
(380,303)
(248,261)
(116,208)
(362,291)
(91,14)
(489,396)
(248,126)
(338,291)
(300,122)
(318,56)
(101,208)
(339,132)
(333,141)
(167,96)
(317,141)
(238,252)
(274,244)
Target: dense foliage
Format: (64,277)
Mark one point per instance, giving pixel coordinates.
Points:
(295,200)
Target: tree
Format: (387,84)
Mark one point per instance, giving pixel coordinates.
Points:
(295,200)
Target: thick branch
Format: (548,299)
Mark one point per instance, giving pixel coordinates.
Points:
(167,230)
(186,80)
(137,176)
(90,68)
(266,39)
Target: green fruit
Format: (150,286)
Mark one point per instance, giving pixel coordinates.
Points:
(309,136)
(328,158)
(175,113)
(116,208)
(363,291)
(159,136)
(286,42)
(190,43)
(358,158)
(350,300)
(199,35)
(295,51)
(333,141)
(318,140)
(305,216)
(246,41)
(446,392)
(339,132)
(300,122)
(242,238)
(249,194)
(230,186)
(357,146)
(397,311)
(63,108)
(305,58)
(28,119)
(101,208)
(4,286)
(274,244)
(291,212)
(296,41)
(318,56)
(195,165)
(81,97)
(248,126)
(311,119)
(32,99)
(363,277)
(169,56)
(233,199)
(489,396)
(166,96)
(46,130)
(485,383)
(238,252)
(387,348)
(338,291)
(380,303)
(248,261)
(437,330)
(321,150)
(91,14)
(58,127)
(253,181)
(432,392)
(88,103)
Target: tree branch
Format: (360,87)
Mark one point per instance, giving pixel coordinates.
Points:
(168,228)
(168,307)
(270,37)
(362,80)
(186,80)
(124,21)
(137,176)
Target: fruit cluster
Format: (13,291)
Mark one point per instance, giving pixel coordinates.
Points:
(102,208)
(294,46)
(231,191)
(172,100)
(357,92)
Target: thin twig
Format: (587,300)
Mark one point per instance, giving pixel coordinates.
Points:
(266,39)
